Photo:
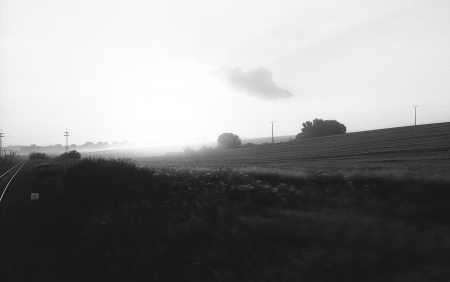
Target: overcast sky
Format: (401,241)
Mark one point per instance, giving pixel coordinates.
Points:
(153,71)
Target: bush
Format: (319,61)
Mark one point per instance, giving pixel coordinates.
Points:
(228,141)
(249,145)
(73,155)
(37,156)
(321,128)
(188,150)
(205,149)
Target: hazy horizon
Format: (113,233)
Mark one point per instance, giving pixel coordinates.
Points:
(150,72)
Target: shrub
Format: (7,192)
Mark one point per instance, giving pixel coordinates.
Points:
(74,155)
(228,141)
(320,128)
(37,156)
(249,145)
(188,150)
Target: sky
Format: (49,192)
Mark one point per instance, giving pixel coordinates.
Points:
(164,71)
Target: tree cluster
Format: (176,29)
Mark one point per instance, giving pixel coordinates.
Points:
(73,155)
(228,141)
(37,156)
(321,128)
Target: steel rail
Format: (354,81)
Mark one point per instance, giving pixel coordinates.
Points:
(10,170)
(9,182)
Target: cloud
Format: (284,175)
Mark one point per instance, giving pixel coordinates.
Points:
(258,83)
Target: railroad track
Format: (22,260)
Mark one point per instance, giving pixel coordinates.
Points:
(7,178)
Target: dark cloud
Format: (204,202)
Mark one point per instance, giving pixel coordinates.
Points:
(258,82)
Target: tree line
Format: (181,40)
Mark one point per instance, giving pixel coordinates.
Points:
(314,129)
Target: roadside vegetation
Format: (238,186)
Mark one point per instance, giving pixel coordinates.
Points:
(71,155)
(114,220)
(6,163)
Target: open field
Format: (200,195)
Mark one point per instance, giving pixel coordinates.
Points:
(422,149)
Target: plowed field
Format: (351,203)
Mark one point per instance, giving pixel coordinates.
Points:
(422,149)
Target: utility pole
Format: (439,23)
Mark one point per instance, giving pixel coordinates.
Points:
(415,115)
(272,132)
(67,140)
(1,136)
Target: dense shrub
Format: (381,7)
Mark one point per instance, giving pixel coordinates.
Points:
(320,128)
(37,156)
(188,150)
(248,145)
(73,155)
(228,141)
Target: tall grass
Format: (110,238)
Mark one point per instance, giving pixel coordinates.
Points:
(122,222)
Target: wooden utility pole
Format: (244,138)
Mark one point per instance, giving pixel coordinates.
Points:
(415,115)
(272,133)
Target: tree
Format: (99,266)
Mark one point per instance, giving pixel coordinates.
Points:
(205,149)
(320,128)
(88,145)
(188,150)
(74,155)
(248,145)
(37,156)
(228,141)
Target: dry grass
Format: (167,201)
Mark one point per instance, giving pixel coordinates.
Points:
(115,220)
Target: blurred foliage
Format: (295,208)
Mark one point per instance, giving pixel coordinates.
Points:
(123,222)
(73,155)
(248,145)
(37,156)
(228,141)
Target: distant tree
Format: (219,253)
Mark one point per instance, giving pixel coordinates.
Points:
(74,155)
(320,128)
(88,145)
(206,149)
(101,145)
(37,156)
(228,141)
(249,145)
(188,150)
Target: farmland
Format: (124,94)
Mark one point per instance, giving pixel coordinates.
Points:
(370,206)
(423,149)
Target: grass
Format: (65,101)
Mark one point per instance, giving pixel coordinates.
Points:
(114,220)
